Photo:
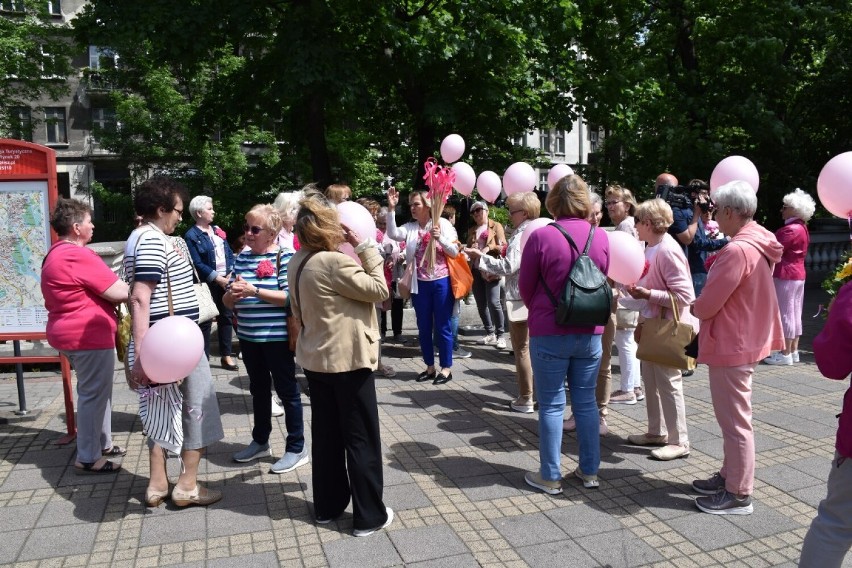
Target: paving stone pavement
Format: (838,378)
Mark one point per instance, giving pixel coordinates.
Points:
(454,460)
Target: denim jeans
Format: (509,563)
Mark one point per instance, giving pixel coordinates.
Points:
(577,357)
(433,306)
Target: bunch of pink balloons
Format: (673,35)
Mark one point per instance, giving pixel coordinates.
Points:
(356,217)
(519,177)
(626,258)
(171,349)
(834,185)
(733,168)
(556,173)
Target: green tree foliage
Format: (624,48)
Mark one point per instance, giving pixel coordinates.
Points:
(34,57)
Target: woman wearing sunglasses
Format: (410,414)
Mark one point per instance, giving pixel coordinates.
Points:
(259,292)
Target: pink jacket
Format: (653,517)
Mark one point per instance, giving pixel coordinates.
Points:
(833,354)
(794,237)
(738,309)
(669,271)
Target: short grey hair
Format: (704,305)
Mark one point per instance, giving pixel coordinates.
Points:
(802,204)
(739,196)
(287,204)
(197,204)
(594,198)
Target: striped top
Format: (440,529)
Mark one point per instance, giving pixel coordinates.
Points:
(258,320)
(147,255)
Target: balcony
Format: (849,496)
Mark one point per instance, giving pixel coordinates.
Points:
(98,82)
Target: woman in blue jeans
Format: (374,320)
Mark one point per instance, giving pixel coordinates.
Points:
(560,351)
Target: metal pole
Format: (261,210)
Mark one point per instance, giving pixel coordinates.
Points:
(19,373)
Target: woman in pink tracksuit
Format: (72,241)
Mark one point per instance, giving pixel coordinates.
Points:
(740,325)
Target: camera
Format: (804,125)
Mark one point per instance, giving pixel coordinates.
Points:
(678,196)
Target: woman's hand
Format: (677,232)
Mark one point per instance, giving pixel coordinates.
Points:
(138,379)
(352,236)
(639,292)
(472,253)
(241,289)
(436,233)
(221,281)
(393,198)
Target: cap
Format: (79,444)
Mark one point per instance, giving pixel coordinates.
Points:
(479,205)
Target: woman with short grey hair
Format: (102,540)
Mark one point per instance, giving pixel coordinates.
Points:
(213,260)
(789,275)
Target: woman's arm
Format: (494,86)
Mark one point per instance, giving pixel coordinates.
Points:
(448,238)
(140,313)
(116,293)
(206,272)
(503,266)
(365,283)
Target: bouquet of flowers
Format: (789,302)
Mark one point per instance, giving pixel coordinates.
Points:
(439,180)
(842,274)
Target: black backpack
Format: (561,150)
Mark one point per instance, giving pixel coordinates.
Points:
(587,297)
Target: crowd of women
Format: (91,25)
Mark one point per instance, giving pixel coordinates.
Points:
(288,272)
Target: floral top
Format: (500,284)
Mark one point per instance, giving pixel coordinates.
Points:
(441,269)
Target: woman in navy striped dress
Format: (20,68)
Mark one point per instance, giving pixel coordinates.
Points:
(259,294)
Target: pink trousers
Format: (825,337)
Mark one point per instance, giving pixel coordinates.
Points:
(730,389)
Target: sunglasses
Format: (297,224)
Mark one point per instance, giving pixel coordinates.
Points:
(253,229)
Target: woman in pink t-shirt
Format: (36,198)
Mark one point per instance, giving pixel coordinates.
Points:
(79,293)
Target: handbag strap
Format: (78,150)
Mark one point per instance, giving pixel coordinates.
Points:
(675,313)
(296,286)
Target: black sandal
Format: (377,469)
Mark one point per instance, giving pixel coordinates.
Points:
(108,467)
(426,376)
(114,452)
(443,379)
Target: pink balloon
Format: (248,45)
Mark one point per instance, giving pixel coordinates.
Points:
(488,184)
(171,349)
(534,226)
(626,258)
(733,168)
(556,173)
(519,177)
(834,185)
(452,148)
(465,178)
(349,251)
(356,217)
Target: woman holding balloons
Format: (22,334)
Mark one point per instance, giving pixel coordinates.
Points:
(161,285)
(431,294)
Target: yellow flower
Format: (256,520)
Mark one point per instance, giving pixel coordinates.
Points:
(844,273)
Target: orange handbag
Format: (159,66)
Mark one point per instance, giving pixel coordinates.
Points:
(461,277)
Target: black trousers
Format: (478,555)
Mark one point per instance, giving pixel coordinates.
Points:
(396,314)
(346,447)
(225,329)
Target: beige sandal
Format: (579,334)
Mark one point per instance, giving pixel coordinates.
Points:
(199,496)
(386,371)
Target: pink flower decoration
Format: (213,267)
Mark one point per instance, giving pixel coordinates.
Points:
(503,249)
(264,269)
(645,270)
(220,233)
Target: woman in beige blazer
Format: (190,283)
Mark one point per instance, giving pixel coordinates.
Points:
(338,348)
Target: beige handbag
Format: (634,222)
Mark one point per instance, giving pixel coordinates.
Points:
(663,341)
(626,319)
(403,286)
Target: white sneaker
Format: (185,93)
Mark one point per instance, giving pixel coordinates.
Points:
(489,339)
(368,532)
(500,343)
(795,356)
(290,461)
(276,408)
(779,359)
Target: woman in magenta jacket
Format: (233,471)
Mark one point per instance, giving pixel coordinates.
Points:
(740,325)
(830,535)
(789,275)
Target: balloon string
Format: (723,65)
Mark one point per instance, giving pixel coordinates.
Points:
(819,311)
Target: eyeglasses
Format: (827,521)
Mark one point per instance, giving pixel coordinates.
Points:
(253,229)
(611,203)
(516,211)
(179,211)
(480,210)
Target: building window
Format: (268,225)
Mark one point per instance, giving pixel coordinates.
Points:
(102,58)
(21,123)
(103,120)
(544,141)
(11,5)
(54,121)
(54,7)
(560,142)
(542,182)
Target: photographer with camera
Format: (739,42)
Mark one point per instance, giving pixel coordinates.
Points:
(688,203)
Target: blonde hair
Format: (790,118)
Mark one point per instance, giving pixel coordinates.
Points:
(527,201)
(271,216)
(657,212)
(318,224)
(422,196)
(570,197)
(337,191)
(622,194)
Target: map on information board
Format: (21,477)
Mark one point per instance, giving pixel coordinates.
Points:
(24,240)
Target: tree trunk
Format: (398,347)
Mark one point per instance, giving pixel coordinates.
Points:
(320,164)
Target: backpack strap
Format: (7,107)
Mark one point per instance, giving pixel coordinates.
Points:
(573,245)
